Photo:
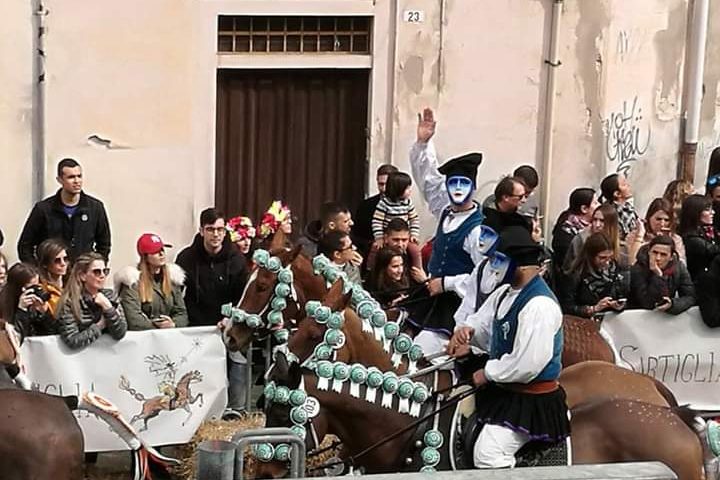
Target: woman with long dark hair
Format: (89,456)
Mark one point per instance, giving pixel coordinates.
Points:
(87,309)
(594,283)
(23,302)
(660,221)
(53,262)
(572,221)
(389,279)
(702,243)
(151,294)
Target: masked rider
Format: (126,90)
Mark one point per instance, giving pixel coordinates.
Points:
(520,326)
(448,191)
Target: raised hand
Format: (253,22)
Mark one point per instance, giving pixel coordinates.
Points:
(426,125)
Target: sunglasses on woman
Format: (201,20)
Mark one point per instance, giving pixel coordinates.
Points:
(104,272)
(60,260)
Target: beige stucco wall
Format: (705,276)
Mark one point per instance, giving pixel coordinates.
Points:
(143,74)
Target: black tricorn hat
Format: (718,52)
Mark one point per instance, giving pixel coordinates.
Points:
(464,165)
(517,243)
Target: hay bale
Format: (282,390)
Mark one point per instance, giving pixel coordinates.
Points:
(224,430)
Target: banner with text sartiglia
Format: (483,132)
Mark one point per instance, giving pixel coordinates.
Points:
(165,382)
(679,350)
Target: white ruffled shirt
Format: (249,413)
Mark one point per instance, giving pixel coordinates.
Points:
(424,166)
(538,321)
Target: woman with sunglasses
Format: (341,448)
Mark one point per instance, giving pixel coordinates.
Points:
(87,309)
(53,262)
(151,294)
(702,243)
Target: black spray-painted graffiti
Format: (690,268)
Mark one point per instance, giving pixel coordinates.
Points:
(626,139)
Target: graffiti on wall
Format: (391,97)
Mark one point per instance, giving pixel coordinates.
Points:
(627,136)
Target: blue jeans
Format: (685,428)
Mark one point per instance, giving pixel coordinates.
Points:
(237,385)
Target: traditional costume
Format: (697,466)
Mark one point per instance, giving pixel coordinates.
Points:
(456,248)
(521,329)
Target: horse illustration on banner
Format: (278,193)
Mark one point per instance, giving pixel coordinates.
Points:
(173,395)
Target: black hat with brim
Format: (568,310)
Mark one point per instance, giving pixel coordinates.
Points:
(464,165)
(517,243)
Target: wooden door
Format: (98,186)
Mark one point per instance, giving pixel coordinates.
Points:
(295,135)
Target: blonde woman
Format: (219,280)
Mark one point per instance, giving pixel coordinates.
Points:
(151,294)
(86,309)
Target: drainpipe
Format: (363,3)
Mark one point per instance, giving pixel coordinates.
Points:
(694,93)
(553,63)
(38,101)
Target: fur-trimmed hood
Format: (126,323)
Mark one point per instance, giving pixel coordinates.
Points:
(129,276)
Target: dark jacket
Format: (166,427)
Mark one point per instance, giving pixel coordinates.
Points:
(647,289)
(311,237)
(30,323)
(577,294)
(81,332)
(87,231)
(700,253)
(499,221)
(707,290)
(362,229)
(211,280)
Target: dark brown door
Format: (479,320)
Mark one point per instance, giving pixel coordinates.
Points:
(294,135)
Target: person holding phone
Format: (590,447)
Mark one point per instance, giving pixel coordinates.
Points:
(151,293)
(594,284)
(659,280)
(24,303)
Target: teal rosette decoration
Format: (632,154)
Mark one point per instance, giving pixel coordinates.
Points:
(323,351)
(285,276)
(274,265)
(415,353)
(402,343)
(253,321)
(334,338)
(341,371)
(297,398)
(320,263)
(433,438)
(275,318)
(428,469)
(282,335)
(282,290)
(311,307)
(391,330)
(336,321)
(358,295)
(331,275)
(374,377)
(226,310)
(261,257)
(324,370)
(378,319)
(365,309)
(299,431)
(358,373)
(322,314)
(421,393)
(278,304)
(237,315)
(282,452)
(282,395)
(405,388)
(430,456)
(269,391)
(298,416)
(390,382)
(264,452)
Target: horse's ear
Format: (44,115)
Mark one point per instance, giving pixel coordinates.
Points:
(280,368)
(334,296)
(294,376)
(278,241)
(290,256)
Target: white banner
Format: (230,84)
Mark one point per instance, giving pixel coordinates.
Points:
(679,350)
(165,381)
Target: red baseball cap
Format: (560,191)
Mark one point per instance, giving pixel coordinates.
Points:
(149,243)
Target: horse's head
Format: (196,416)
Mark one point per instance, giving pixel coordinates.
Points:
(283,401)
(311,329)
(195,376)
(260,293)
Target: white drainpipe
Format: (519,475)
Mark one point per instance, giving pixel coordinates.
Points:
(694,93)
(553,62)
(38,101)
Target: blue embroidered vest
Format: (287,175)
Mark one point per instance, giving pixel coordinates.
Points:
(448,256)
(504,329)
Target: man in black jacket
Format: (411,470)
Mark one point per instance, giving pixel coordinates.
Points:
(216,271)
(362,230)
(70,215)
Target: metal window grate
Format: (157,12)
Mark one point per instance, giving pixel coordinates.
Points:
(269,34)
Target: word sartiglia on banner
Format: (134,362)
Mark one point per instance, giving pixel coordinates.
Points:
(165,382)
(679,350)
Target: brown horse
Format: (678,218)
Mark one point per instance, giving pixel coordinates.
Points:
(582,342)
(259,291)
(39,436)
(608,430)
(152,407)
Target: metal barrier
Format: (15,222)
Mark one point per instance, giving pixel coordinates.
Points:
(249,380)
(607,471)
(216,460)
(271,435)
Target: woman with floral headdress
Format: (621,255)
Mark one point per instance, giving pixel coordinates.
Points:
(242,233)
(277,217)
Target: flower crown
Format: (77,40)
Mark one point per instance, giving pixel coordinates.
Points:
(273,218)
(240,228)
